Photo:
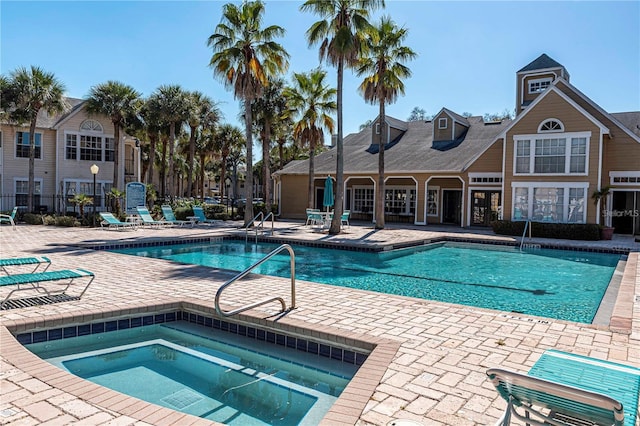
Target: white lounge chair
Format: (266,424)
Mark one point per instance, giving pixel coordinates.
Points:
(113,222)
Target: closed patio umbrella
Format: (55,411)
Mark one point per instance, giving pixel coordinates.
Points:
(328,193)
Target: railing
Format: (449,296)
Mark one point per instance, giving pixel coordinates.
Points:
(259,226)
(527,225)
(265,301)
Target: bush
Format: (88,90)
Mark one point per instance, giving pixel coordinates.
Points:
(66,221)
(182,213)
(33,218)
(565,231)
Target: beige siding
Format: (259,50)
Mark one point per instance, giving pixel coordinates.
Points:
(553,106)
(489,161)
(442,134)
(459,130)
(525,87)
(394,134)
(294,197)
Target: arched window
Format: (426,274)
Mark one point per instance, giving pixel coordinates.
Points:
(91,125)
(551,125)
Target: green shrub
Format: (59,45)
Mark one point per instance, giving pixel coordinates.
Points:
(182,212)
(33,219)
(221,216)
(49,220)
(66,221)
(565,231)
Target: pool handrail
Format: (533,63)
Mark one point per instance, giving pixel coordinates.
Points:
(260,225)
(265,301)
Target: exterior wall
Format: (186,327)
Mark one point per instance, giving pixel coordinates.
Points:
(489,161)
(393,133)
(459,130)
(522,89)
(442,134)
(553,106)
(294,197)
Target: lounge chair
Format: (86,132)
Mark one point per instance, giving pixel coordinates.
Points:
(572,389)
(344,219)
(113,222)
(10,218)
(312,216)
(167,212)
(36,281)
(147,219)
(198,212)
(21,261)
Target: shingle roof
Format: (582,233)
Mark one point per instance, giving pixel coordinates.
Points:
(46,121)
(412,153)
(459,118)
(542,62)
(631,120)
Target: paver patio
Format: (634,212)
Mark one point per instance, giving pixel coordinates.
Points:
(436,377)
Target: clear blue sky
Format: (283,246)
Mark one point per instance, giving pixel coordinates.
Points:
(469,52)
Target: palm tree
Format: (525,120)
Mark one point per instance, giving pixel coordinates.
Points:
(227,138)
(340,35)
(245,56)
(120,103)
(153,124)
(25,93)
(384,70)
(203,112)
(266,110)
(315,102)
(173,105)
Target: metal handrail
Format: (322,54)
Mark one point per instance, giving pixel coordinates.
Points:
(273,219)
(265,301)
(527,224)
(246,229)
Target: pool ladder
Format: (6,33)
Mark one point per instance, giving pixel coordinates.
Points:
(265,301)
(523,245)
(259,226)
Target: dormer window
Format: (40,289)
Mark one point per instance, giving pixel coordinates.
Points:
(551,125)
(442,123)
(539,85)
(91,126)
(377,128)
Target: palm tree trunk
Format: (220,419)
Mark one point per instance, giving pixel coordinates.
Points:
(266,172)
(248,182)
(281,143)
(152,155)
(223,178)
(337,207)
(202,161)
(116,150)
(172,142)
(31,184)
(163,170)
(312,155)
(380,193)
(190,158)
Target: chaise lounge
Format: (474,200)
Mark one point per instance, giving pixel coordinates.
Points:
(10,218)
(22,261)
(41,281)
(147,219)
(198,212)
(113,222)
(563,389)
(169,216)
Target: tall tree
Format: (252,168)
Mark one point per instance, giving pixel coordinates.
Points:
(245,57)
(417,114)
(24,93)
(340,35)
(173,105)
(266,110)
(119,102)
(203,113)
(151,116)
(226,139)
(315,103)
(384,69)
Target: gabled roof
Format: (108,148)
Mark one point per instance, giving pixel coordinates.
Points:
(540,63)
(47,121)
(456,117)
(630,120)
(393,122)
(412,153)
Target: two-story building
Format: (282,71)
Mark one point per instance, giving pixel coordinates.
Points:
(544,165)
(67,145)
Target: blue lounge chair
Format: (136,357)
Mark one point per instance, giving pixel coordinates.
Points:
(344,219)
(572,388)
(113,222)
(147,219)
(10,218)
(198,212)
(167,212)
(21,261)
(36,282)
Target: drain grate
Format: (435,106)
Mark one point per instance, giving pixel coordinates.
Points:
(37,301)
(181,399)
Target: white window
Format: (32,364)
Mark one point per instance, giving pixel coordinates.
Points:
(624,178)
(71,147)
(22,145)
(91,126)
(551,125)
(485,178)
(400,201)
(557,154)
(442,123)
(22,192)
(538,85)
(377,128)
(432,201)
(90,148)
(109,149)
(553,202)
(363,200)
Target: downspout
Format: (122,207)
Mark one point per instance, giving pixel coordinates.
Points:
(598,185)
(56,177)
(504,162)
(463,203)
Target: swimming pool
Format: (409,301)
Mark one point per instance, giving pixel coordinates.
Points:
(216,375)
(559,284)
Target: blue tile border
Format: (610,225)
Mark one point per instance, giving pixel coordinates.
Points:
(298,343)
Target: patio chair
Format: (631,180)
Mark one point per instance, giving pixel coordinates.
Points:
(344,219)
(312,215)
(572,389)
(113,222)
(21,261)
(10,218)
(147,219)
(167,212)
(41,281)
(198,212)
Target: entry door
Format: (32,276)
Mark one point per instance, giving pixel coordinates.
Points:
(485,207)
(452,206)
(625,214)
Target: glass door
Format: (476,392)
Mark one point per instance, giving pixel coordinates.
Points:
(485,207)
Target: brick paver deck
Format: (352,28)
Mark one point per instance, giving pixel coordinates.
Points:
(438,352)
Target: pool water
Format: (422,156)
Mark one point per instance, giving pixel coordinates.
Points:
(559,284)
(189,368)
